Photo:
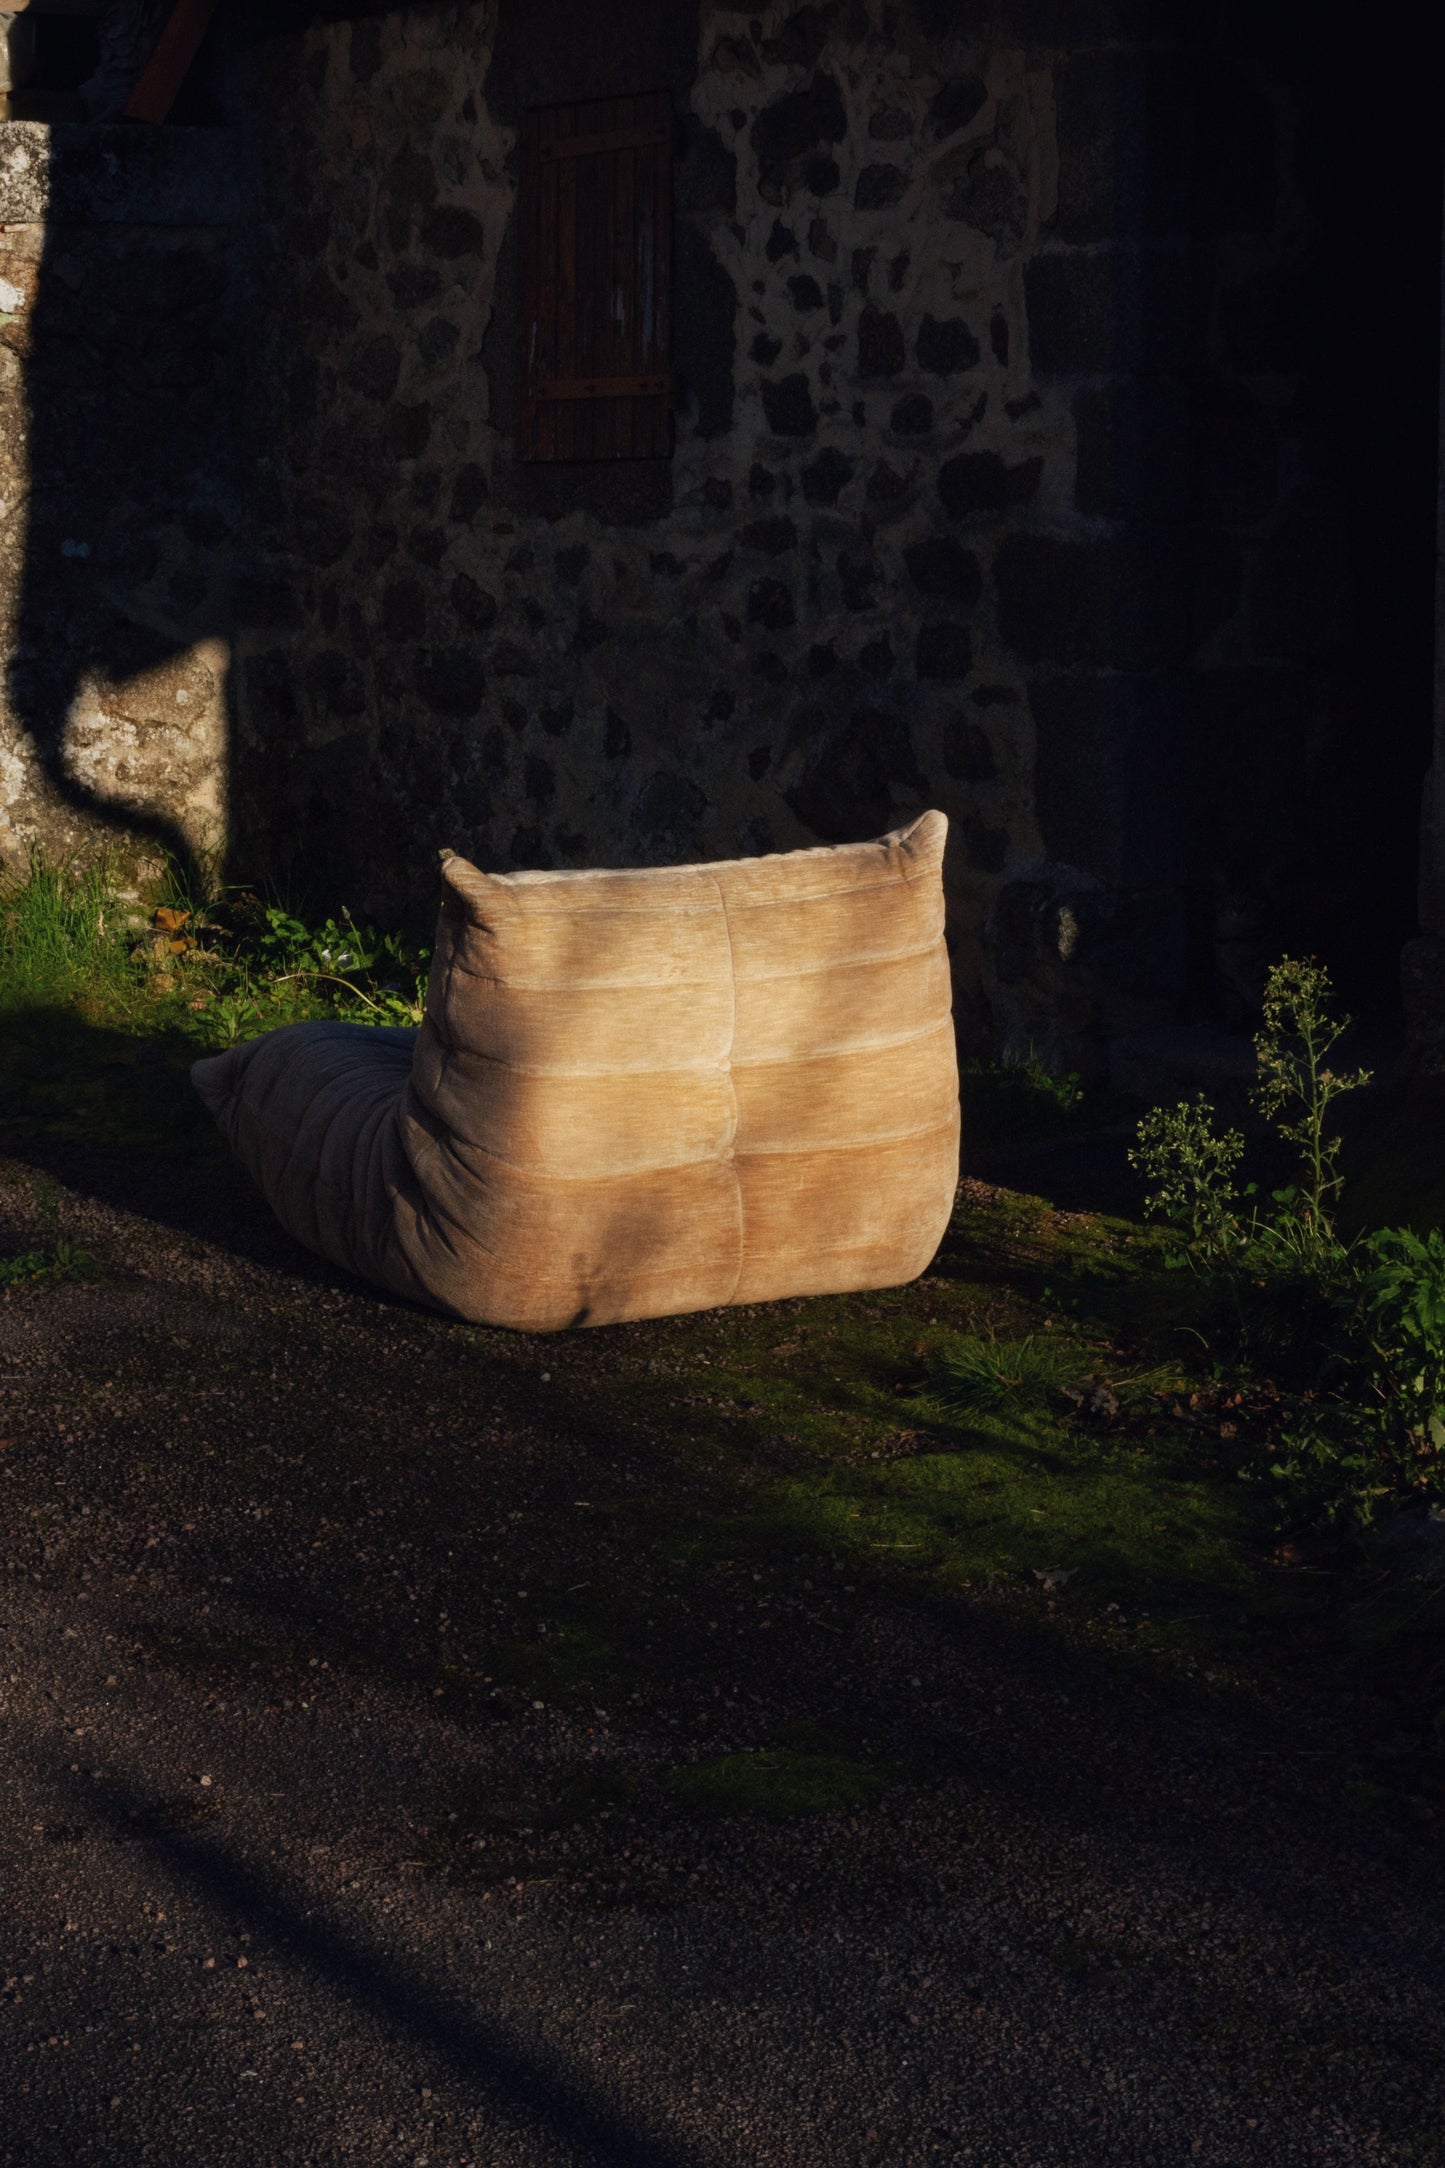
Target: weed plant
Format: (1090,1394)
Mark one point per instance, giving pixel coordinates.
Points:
(1193,1168)
(1018,1100)
(1062,1089)
(264,959)
(1357,1327)
(1371,1440)
(1296,1091)
(44,1268)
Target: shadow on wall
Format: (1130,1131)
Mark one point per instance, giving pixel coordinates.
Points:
(1230,655)
(117,253)
(1191,547)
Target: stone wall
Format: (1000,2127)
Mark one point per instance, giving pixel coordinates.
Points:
(1021,468)
(1007,478)
(118,509)
(784,634)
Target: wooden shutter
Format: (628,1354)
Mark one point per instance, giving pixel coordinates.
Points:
(596,228)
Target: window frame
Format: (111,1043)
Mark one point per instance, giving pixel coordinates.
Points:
(595,219)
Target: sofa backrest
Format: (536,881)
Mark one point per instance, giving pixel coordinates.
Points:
(680,1086)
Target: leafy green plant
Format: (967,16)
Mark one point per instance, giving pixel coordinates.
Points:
(1062,1090)
(1404,1321)
(1018,1100)
(42,1268)
(214,964)
(232,1015)
(1192,1166)
(1359,1328)
(1374,1440)
(340,954)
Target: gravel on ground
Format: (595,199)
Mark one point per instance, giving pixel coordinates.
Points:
(282,1882)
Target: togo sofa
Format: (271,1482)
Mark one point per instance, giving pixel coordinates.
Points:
(633,1093)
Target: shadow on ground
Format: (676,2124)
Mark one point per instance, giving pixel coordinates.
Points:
(714,1629)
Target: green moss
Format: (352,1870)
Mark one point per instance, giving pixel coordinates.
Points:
(201,1653)
(570,1659)
(777,1783)
(1117,1524)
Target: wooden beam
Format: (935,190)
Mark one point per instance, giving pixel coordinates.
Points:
(170,63)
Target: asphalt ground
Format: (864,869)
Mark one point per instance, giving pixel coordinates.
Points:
(281,1881)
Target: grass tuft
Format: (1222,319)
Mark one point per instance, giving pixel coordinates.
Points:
(62,933)
(987,1376)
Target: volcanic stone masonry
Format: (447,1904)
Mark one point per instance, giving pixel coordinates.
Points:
(994,484)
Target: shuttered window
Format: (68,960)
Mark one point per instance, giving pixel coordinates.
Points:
(596,229)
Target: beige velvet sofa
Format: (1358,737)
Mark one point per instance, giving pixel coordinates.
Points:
(634,1093)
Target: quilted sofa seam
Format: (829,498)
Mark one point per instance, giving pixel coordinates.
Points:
(731,1295)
